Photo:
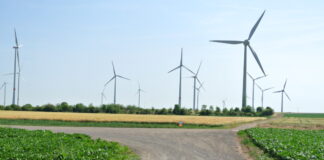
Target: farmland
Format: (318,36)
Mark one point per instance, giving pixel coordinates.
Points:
(297,122)
(101,117)
(289,143)
(305,115)
(40,144)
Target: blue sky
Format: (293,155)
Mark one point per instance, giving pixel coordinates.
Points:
(69,46)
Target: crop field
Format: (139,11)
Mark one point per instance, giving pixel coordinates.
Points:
(297,123)
(289,143)
(38,145)
(101,117)
(305,115)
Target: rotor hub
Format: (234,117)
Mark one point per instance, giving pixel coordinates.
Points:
(246,42)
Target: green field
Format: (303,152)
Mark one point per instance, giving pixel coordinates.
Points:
(28,122)
(289,143)
(305,115)
(21,144)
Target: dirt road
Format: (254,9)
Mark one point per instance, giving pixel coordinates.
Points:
(165,144)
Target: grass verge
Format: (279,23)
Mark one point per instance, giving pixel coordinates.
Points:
(253,151)
(29,122)
(43,144)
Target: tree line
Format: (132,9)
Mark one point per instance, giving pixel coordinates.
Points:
(131,109)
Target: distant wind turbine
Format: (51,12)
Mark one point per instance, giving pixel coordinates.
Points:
(201,86)
(180,78)
(103,96)
(16,60)
(253,85)
(115,80)
(283,91)
(4,86)
(195,77)
(224,103)
(262,93)
(246,44)
(139,90)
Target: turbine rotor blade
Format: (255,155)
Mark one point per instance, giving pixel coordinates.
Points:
(174,69)
(277,91)
(268,88)
(287,95)
(7,74)
(256,58)
(260,77)
(18,61)
(188,69)
(112,63)
(198,68)
(16,39)
(181,58)
(285,85)
(259,87)
(199,81)
(227,41)
(250,75)
(255,26)
(122,77)
(110,80)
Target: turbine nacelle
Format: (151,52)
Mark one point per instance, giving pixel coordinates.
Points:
(246,42)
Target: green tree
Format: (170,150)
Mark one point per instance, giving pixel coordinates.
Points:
(176,109)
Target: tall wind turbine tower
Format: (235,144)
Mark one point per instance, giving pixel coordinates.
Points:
(195,77)
(16,59)
(253,85)
(103,96)
(262,93)
(180,77)
(201,86)
(283,91)
(246,44)
(139,90)
(4,87)
(115,80)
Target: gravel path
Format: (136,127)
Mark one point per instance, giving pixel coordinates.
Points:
(168,143)
(165,144)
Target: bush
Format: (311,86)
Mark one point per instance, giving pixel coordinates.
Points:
(267,112)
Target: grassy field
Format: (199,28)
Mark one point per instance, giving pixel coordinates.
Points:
(288,143)
(39,145)
(305,115)
(102,117)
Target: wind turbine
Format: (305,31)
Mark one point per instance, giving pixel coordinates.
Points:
(180,78)
(115,80)
(253,81)
(103,96)
(283,91)
(195,77)
(246,44)
(4,86)
(139,90)
(262,91)
(16,48)
(198,93)
(224,103)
